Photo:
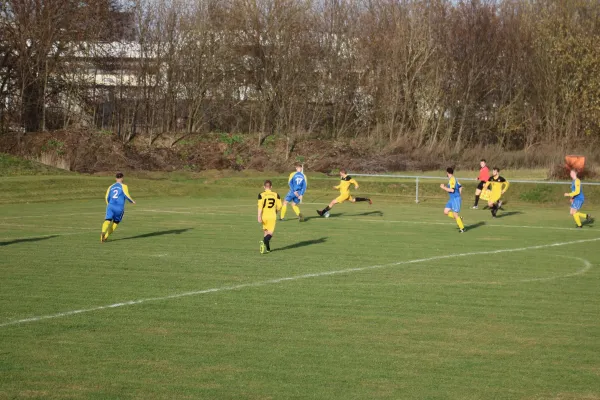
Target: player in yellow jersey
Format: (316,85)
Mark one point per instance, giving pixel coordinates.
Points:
(269,203)
(499,186)
(344,188)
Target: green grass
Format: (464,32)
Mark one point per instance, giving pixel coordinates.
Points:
(512,325)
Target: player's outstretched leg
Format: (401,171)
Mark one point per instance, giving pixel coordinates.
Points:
(283,210)
(363,199)
(329,207)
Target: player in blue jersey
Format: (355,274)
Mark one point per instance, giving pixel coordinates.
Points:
(577,199)
(297,184)
(454,188)
(115,206)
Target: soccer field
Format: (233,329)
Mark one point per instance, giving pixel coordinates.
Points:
(386,301)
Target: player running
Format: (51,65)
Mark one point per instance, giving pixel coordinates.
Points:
(344,188)
(577,199)
(269,203)
(499,186)
(115,206)
(297,183)
(454,189)
(483,177)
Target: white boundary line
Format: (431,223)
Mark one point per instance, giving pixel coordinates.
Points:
(586,267)
(288,279)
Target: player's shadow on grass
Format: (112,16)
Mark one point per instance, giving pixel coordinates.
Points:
(508,214)
(331,215)
(302,244)
(366,214)
(157,233)
(35,239)
(475,225)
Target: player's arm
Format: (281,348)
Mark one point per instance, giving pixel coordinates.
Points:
(451,183)
(278,204)
(290,182)
(260,208)
(353,182)
(505,185)
(107,194)
(576,191)
(127,195)
(487,184)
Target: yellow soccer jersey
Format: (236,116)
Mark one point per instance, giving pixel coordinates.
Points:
(344,185)
(269,202)
(498,184)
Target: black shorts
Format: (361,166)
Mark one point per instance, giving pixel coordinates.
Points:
(481,185)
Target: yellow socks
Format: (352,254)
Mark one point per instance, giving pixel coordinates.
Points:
(110,230)
(577,218)
(296,209)
(458,220)
(105,226)
(283,211)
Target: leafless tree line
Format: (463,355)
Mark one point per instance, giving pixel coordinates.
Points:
(515,73)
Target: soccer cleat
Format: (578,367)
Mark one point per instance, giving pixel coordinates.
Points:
(589,219)
(300,218)
(578,226)
(102,238)
(475,207)
(461,230)
(320,213)
(262,247)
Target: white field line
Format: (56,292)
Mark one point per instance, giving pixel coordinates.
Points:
(586,267)
(287,279)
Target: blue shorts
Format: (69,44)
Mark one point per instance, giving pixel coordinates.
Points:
(454,204)
(292,197)
(114,214)
(577,204)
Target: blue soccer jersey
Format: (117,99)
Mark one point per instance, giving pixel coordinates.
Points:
(455,201)
(576,194)
(297,183)
(117,194)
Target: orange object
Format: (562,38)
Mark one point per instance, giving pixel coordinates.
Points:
(575,162)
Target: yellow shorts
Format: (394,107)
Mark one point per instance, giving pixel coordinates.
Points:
(268,224)
(343,197)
